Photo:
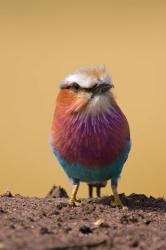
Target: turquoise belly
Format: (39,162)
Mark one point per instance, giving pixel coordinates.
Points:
(98,174)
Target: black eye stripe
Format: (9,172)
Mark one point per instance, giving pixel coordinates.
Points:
(75,86)
(94,87)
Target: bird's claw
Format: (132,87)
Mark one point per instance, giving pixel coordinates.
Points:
(117,202)
(75,202)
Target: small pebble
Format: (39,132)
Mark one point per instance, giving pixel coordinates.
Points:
(99,222)
(2,211)
(85,229)
(135,243)
(44,230)
(147,222)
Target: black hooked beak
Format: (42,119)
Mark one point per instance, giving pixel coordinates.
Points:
(102,88)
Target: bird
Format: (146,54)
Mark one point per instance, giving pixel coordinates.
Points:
(98,187)
(90,135)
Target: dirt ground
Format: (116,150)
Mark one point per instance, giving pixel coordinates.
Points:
(51,223)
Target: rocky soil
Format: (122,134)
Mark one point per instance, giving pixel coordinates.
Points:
(51,223)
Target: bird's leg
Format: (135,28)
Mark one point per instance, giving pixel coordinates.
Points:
(98,189)
(117,201)
(73,199)
(90,191)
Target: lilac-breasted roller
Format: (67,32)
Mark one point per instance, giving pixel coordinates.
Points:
(90,134)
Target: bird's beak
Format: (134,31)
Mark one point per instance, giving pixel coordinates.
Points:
(102,88)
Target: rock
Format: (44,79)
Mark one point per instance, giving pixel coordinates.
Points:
(85,229)
(135,243)
(44,230)
(2,211)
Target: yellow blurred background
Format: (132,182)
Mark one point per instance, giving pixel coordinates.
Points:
(41,42)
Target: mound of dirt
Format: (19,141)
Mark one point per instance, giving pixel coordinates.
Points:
(51,223)
(57,192)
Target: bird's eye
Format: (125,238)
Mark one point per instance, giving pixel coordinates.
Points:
(75,85)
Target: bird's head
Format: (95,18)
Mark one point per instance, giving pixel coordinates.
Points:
(86,90)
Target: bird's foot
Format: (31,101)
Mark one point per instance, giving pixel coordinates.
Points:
(117,202)
(74,202)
